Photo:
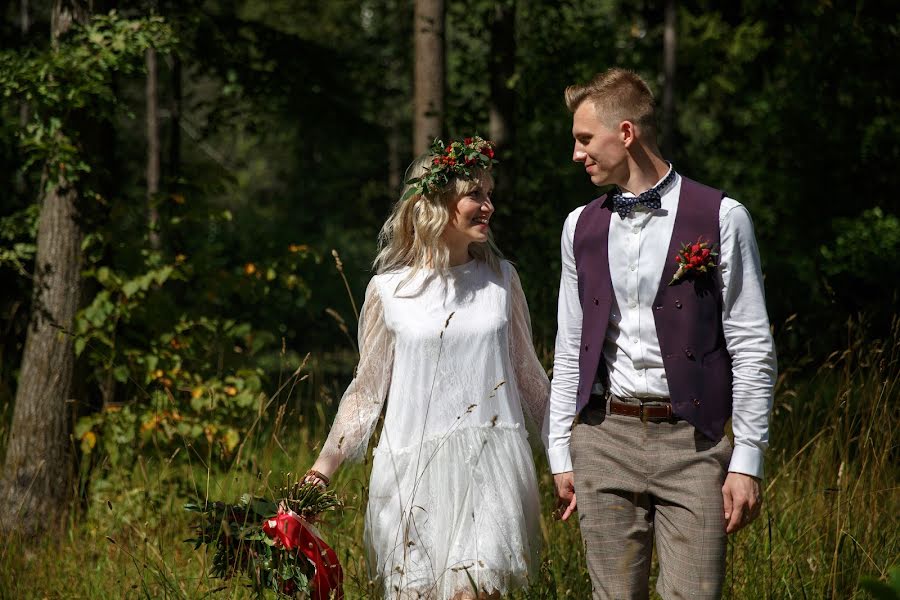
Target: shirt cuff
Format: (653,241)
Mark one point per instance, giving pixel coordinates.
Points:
(560,460)
(747,460)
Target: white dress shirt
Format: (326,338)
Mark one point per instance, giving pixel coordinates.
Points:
(638,249)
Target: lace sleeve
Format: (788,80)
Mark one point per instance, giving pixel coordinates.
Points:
(531,379)
(362,402)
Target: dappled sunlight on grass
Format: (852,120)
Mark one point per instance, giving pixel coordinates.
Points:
(830,512)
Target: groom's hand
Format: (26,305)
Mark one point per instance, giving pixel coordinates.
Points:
(565,492)
(743,501)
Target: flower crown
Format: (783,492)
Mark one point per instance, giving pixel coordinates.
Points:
(458,159)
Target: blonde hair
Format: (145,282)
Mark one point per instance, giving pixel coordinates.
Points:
(618,95)
(411,236)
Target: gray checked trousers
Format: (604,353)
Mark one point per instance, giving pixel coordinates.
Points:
(637,482)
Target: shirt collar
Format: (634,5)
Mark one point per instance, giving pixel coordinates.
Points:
(662,191)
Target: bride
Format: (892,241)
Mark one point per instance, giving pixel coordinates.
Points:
(445,340)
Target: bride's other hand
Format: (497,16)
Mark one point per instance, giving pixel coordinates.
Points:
(317,477)
(323,470)
(565,493)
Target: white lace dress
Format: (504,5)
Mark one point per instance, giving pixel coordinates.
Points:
(453,497)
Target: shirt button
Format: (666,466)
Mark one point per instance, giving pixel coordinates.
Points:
(635,230)
(633,267)
(633,305)
(640,373)
(634,340)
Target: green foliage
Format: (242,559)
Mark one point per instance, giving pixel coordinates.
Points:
(858,267)
(17,238)
(879,589)
(168,376)
(75,74)
(762,116)
(182,398)
(860,246)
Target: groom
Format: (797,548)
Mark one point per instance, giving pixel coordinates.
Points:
(654,354)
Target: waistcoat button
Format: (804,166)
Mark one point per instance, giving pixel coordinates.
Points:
(689,353)
(596,301)
(658,307)
(678,304)
(587,347)
(695,401)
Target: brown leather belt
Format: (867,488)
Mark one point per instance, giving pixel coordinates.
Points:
(657,411)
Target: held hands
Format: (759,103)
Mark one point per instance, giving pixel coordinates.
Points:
(565,492)
(743,501)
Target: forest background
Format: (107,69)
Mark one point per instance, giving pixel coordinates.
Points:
(191,194)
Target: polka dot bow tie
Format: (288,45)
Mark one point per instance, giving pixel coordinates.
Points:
(651,198)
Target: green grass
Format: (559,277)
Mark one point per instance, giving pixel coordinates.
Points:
(830,514)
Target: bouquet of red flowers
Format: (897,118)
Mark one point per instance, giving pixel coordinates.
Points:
(273,544)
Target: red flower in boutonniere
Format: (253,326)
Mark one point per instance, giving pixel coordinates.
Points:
(694,258)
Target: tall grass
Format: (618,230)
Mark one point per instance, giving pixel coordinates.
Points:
(832,500)
(830,513)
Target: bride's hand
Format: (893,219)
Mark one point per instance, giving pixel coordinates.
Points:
(316,477)
(322,470)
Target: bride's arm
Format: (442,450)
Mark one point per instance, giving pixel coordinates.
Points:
(531,379)
(362,402)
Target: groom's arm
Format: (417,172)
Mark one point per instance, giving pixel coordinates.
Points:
(564,385)
(749,340)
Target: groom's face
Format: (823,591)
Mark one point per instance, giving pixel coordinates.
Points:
(598,146)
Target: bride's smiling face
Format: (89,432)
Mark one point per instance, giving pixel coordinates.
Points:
(470,217)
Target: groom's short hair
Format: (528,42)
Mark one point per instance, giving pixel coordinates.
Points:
(618,95)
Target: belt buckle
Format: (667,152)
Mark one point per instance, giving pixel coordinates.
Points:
(641,413)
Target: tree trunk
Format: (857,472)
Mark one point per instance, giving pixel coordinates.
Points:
(24,112)
(503,66)
(502,102)
(24,27)
(668,100)
(395,163)
(428,82)
(153,148)
(35,486)
(174,167)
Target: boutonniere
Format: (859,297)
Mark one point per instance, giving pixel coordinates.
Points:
(695,258)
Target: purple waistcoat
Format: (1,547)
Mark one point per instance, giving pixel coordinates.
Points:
(688,314)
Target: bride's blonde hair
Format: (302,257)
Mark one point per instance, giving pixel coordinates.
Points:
(411,236)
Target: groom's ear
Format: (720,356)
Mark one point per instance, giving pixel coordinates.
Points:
(627,133)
